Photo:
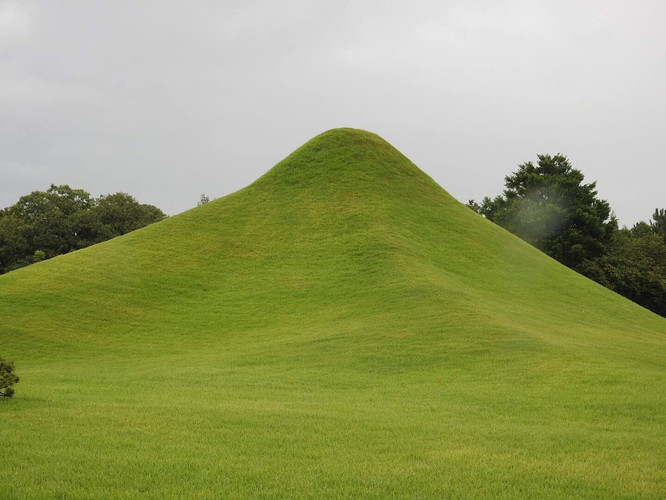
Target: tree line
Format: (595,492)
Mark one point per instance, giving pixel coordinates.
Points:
(549,206)
(44,224)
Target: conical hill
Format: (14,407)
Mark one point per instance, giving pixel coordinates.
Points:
(342,326)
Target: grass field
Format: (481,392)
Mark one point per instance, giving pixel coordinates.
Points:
(341,327)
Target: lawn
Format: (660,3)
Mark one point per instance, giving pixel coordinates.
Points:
(341,327)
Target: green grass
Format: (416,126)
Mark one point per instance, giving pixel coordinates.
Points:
(341,327)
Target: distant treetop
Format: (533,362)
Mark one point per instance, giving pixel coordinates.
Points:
(44,224)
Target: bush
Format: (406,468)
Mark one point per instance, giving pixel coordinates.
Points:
(7,378)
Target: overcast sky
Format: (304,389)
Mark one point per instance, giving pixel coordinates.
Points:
(166,100)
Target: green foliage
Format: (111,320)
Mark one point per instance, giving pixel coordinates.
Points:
(7,378)
(549,206)
(658,222)
(635,265)
(39,256)
(340,328)
(44,224)
(120,213)
(474,206)
(640,229)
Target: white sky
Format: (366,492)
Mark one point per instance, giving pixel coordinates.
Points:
(166,100)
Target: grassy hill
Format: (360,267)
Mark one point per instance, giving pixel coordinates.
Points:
(341,327)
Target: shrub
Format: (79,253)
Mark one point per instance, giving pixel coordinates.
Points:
(7,378)
(39,256)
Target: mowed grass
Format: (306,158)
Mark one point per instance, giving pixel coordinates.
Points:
(342,327)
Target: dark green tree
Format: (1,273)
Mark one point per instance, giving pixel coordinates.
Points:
(44,224)
(120,213)
(474,206)
(641,229)
(635,267)
(7,378)
(46,221)
(658,222)
(549,206)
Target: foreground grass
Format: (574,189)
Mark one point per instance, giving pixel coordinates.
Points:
(211,425)
(340,328)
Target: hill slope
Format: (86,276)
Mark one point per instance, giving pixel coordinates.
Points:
(341,326)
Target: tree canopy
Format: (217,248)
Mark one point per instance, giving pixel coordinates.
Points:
(550,206)
(658,222)
(44,224)
(635,265)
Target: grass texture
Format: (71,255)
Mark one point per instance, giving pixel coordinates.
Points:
(340,328)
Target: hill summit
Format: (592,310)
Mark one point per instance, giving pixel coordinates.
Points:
(343,155)
(340,327)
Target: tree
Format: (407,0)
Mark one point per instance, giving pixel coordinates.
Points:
(635,267)
(474,206)
(549,206)
(7,378)
(641,229)
(44,220)
(120,213)
(658,222)
(44,224)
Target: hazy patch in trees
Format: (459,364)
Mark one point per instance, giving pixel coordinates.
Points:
(549,206)
(44,224)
